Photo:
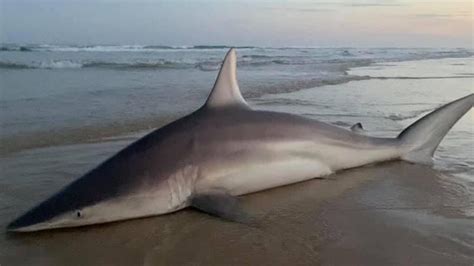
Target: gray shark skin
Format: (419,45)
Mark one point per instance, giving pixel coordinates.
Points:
(222,150)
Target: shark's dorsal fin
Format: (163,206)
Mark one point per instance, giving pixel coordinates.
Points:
(226,92)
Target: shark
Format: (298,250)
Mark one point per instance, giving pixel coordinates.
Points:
(221,151)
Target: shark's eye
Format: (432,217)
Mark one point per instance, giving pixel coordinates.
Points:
(78,214)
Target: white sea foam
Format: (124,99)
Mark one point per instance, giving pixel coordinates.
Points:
(60,64)
(50,64)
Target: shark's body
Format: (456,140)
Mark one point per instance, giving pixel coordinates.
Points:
(222,150)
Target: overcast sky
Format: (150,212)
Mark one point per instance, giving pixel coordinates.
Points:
(355,23)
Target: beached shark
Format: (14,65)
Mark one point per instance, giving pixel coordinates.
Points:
(224,150)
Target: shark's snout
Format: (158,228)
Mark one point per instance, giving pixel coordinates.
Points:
(18,224)
(31,220)
(43,216)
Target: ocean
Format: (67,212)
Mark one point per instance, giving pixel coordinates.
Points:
(65,108)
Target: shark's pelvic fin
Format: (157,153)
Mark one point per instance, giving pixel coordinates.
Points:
(420,140)
(221,204)
(226,90)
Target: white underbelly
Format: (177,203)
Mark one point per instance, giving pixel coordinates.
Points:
(260,176)
(258,166)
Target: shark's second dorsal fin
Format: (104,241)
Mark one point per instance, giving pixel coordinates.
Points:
(357,127)
(226,90)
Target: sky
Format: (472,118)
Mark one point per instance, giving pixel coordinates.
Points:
(323,23)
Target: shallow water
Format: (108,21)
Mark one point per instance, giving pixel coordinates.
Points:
(388,97)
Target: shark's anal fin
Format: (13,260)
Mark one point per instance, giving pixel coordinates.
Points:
(221,204)
(226,92)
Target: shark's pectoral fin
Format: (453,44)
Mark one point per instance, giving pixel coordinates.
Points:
(221,204)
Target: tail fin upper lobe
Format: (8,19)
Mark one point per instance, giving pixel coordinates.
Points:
(420,140)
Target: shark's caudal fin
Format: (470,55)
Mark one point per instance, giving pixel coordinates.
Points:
(420,140)
(226,90)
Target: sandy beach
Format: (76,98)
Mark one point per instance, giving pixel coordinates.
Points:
(393,213)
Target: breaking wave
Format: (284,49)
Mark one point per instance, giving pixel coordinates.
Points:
(111,48)
(15,49)
(44,65)
(70,64)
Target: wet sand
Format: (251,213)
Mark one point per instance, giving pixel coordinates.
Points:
(392,213)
